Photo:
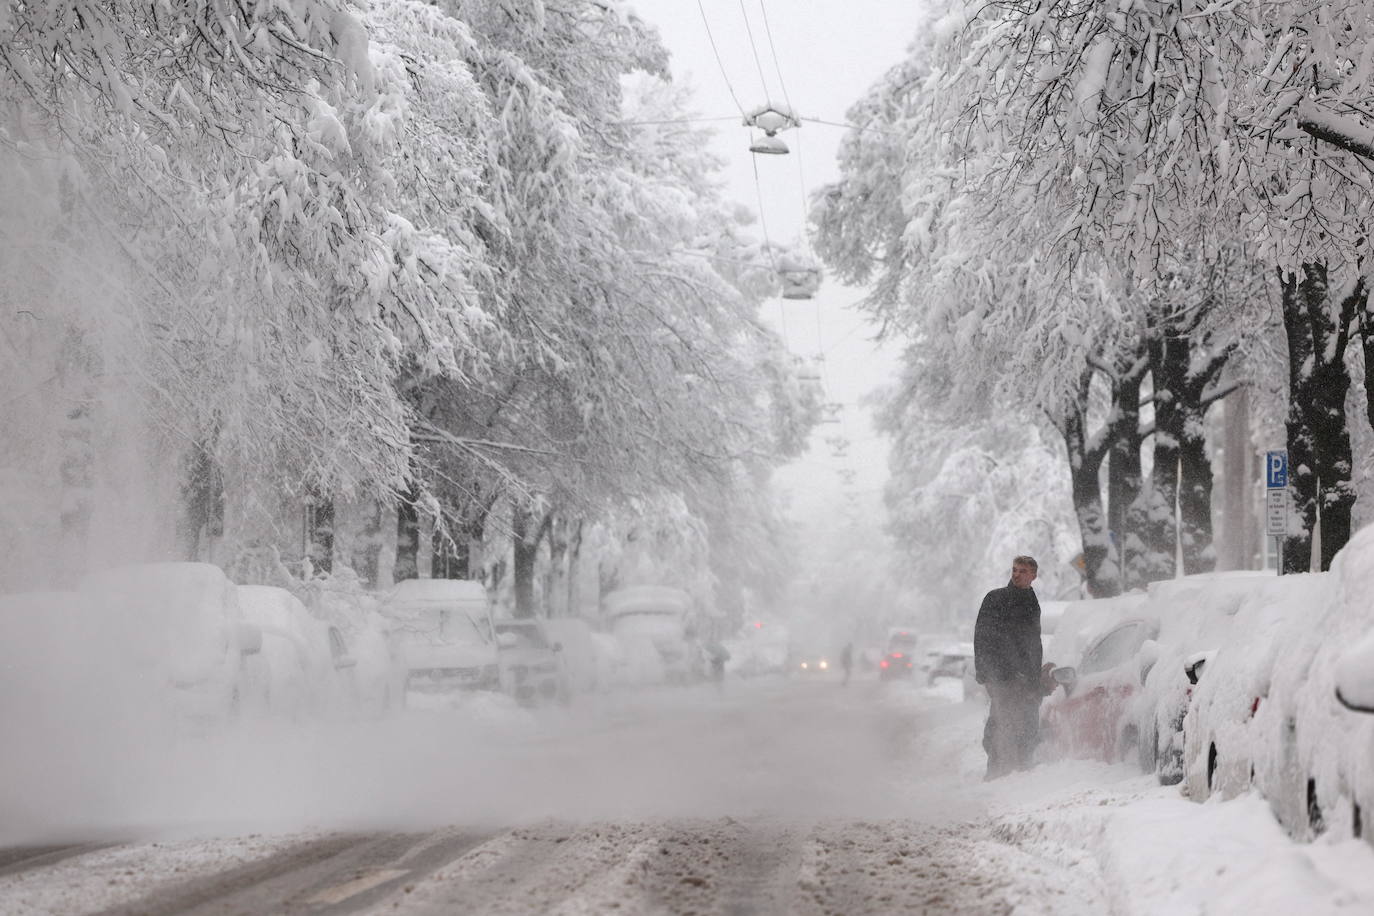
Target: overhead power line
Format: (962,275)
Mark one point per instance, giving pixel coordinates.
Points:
(675,121)
(777,67)
(719,63)
(872,130)
(758,64)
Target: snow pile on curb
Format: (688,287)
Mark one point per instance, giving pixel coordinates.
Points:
(1159,854)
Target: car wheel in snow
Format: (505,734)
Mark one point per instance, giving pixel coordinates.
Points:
(1129,744)
(1315,821)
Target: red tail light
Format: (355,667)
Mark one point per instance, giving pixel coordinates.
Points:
(882,664)
(896,655)
(1254,707)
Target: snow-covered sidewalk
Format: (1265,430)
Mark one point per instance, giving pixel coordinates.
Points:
(1150,850)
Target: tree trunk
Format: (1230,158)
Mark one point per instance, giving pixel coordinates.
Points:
(556,580)
(1124,482)
(1367,344)
(407,539)
(202,504)
(1101,571)
(77,370)
(319,533)
(574,559)
(1319,452)
(526,548)
(1239,540)
(1169,363)
(1195,496)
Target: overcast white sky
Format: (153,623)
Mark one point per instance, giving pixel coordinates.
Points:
(829,52)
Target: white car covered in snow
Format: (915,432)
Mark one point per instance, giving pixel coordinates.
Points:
(309,669)
(1313,756)
(441,632)
(1226,722)
(378,678)
(1196,616)
(650,623)
(179,626)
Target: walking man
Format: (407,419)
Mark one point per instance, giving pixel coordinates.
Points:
(1006,659)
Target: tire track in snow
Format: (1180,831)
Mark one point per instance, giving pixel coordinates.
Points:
(550,868)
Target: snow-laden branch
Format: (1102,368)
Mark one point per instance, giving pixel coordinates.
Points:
(1343,131)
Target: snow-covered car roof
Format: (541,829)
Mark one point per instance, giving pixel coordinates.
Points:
(646,599)
(1084,621)
(418,592)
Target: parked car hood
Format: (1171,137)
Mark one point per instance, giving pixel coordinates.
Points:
(447,655)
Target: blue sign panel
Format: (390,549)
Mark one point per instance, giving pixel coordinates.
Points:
(1276,470)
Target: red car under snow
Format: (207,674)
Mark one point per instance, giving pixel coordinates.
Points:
(1092,716)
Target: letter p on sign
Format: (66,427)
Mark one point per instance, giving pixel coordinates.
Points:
(1276,470)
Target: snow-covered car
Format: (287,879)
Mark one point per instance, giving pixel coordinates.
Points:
(1095,651)
(759,649)
(441,632)
(1229,718)
(378,678)
(1313,756)
(952,661)
(577,652)
(649,621)
(181,627)
(309,669)
(1090,716)
(529,662)
(1196,614)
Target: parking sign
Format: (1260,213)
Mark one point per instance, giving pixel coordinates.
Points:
(1276,470)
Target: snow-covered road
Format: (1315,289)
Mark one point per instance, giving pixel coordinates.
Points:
(772,797)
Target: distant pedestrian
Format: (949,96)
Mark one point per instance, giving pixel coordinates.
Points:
(847,661)
(1007,659)
(718,655)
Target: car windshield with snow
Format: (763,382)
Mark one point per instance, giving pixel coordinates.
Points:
(441,631)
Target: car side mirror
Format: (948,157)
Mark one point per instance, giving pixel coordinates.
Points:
(1195,664)
(249,638)
(1066,677)
(1354,684)
(345,661)
(557,647)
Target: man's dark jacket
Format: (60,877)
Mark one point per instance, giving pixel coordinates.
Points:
(1006,638)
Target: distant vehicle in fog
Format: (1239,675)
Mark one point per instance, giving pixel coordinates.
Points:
(529,661)
(441,631)
(811,663)
(650,622)
(899,656)
(579,654)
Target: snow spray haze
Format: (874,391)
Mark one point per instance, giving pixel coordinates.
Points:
(79,458)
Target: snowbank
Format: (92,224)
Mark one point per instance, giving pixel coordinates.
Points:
(1158,854)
